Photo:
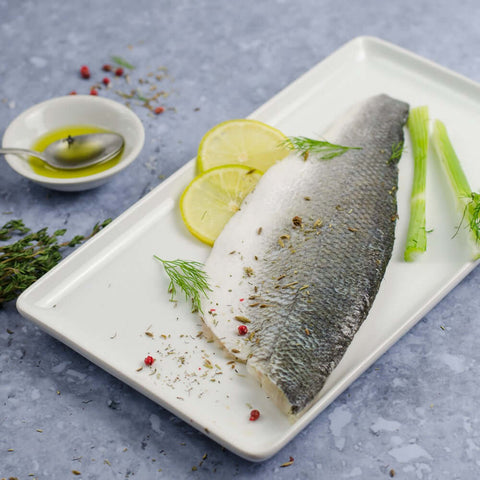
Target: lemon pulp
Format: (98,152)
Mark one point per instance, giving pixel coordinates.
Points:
(243,142)
(212,198)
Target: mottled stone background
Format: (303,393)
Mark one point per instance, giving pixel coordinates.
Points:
(414,414)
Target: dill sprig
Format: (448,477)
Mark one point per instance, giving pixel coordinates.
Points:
(31,256)
(189,276)
(321,148)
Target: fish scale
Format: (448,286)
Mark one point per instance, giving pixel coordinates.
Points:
(311,243)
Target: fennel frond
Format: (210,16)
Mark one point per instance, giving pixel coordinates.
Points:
(468,201)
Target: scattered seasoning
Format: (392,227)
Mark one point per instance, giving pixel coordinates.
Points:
(242,330)
(149,334)
(106,81)
(241,299)
(207,363)
(107,68)
(297,221)
(248,271)
(254,415)
(119,72)
(391,473)
(76,472)
(93,91)
(241,318)
(307,331)
(73,92)
(259,231)
(149,360)
(84,72)
(351,229)
(287,464)
(159,110)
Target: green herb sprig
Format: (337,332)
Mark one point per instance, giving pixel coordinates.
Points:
(468,200)
(320,148)
(398,149)
(121,61)
(189,276)
(34,254)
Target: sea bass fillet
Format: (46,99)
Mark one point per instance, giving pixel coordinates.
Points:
(301,263)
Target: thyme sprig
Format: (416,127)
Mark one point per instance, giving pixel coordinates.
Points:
(320,148)
(31,256)
(189,276)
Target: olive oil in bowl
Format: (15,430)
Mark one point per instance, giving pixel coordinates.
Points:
(42,168)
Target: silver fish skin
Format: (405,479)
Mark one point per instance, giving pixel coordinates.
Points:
(302,261)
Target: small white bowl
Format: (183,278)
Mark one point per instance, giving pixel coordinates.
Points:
(74,110)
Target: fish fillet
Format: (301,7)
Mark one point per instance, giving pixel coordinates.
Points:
(301,262)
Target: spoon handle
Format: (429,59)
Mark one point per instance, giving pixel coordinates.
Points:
(22,151)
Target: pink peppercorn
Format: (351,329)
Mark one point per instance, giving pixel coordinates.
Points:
(149,360)
(119,72)
(106,81)
(242,330)
(84,71)
(254,415)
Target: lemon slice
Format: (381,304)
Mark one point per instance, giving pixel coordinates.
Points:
(213,197)
(243,142)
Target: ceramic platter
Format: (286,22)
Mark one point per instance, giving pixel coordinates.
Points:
(102,299)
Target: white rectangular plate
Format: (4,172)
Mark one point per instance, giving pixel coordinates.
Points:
(104,297)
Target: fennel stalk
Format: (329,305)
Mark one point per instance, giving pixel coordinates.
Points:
(468,201)
(417,125)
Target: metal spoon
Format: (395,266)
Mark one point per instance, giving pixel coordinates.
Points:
(76,152)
